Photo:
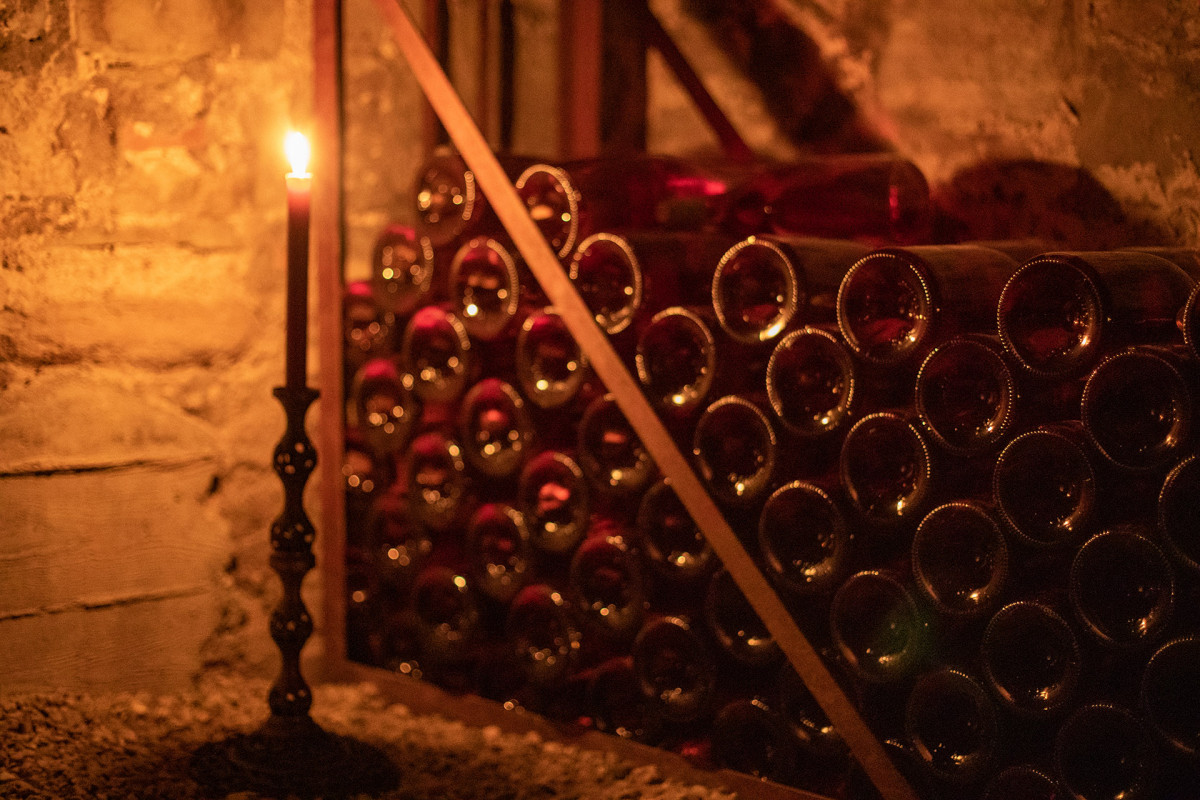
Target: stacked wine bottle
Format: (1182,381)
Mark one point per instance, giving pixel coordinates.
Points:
(968,469)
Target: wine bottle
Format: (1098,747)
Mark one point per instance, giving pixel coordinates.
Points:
(364,478)
(1137,406)
(552,493)
(1021,782)
(752,738)
(966,395)
(805,540)
(616,703)
(543,634)
(494,429)
(811,383)
(606,583)
(669,540)
(1060,311)
(610,452)
(886,469)
(952,726)
(736,627)
(960,559)
(366,326)
(438,488)
(448,620)
(765,284)
(735,449)
(550,367)
(877,628)
(677,360)
(1031,659)
(402,269)
(436,351)
(1102,750)
(1169,699)
(675,669)
(485,288)
(895,304)
(401,547)
(1179,514)
(499,557)
(1045,486)
(383,407)
(1122,588)
(450,205)
(878,197)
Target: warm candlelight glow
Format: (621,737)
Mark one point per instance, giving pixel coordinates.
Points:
(298,153)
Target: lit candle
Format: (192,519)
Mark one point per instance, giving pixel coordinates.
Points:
(299,192)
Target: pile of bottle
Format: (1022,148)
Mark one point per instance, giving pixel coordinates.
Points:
(968,469)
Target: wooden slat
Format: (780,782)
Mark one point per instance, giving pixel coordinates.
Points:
(327,248)
(671,462)
(581,26)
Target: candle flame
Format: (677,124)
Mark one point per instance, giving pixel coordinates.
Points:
(298,152)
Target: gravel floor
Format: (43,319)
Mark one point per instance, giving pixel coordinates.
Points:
(69,745)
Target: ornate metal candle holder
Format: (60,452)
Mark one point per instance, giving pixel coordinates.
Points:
(290,753)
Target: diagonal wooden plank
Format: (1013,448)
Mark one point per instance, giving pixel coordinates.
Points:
(671,462)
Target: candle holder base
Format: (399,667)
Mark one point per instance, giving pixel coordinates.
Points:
(293,757)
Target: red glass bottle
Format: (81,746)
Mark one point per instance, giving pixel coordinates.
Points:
(675,669)
(736,627)
(499,557)
(735,449)
(676,361)
(610,452)
(671,543)
(485,287)
(450,205)
(805,540)
(543,633)
(966,395)
(886,469)
(366,326)
(448,620)
(438,488)
(382,405)
(812,383)
(553,494)
(436,351)
(606,583)
(1060,311)
(494,428)
(550,367)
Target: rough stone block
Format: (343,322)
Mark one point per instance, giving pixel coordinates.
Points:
(181,29)
(31,33)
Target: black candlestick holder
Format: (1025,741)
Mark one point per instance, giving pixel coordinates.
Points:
(290,754)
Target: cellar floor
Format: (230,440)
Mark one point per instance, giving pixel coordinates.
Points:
(67,745)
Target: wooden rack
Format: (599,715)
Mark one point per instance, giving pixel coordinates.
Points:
(580,134)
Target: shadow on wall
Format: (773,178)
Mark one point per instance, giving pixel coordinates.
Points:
(1062,205)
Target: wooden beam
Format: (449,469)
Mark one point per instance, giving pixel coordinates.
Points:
(608,365)
(581,37)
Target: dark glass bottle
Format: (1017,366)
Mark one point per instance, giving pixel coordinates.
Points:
(1122,588)
(735,450)
(494,428)
(550,367)
(669,540)
(615,702)
(1104,751)
(366,326)
(1031,659)
(1138,405)
(1170,696)
(677,360)
(886,469)
(382,405)
(450,205)
(765,284)
(878,197)
(1179,513)
(499,558)
(675,669)
(1022,782)
(543,633)
(436,351)
(401,547)
(895,304)
(735,625)
(804,538)
(952,726)
(1045,486)
(448,620)
(437,481)
(552,493)
(606,584)
(877,628)
(485,288)
(960,559)
(966,395)
(752,738)
(364,478)
(402,269)
(610,452)
(812,382)
(1060,311)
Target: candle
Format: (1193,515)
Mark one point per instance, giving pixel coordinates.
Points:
(299,193)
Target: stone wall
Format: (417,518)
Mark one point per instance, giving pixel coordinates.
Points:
(142,275)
